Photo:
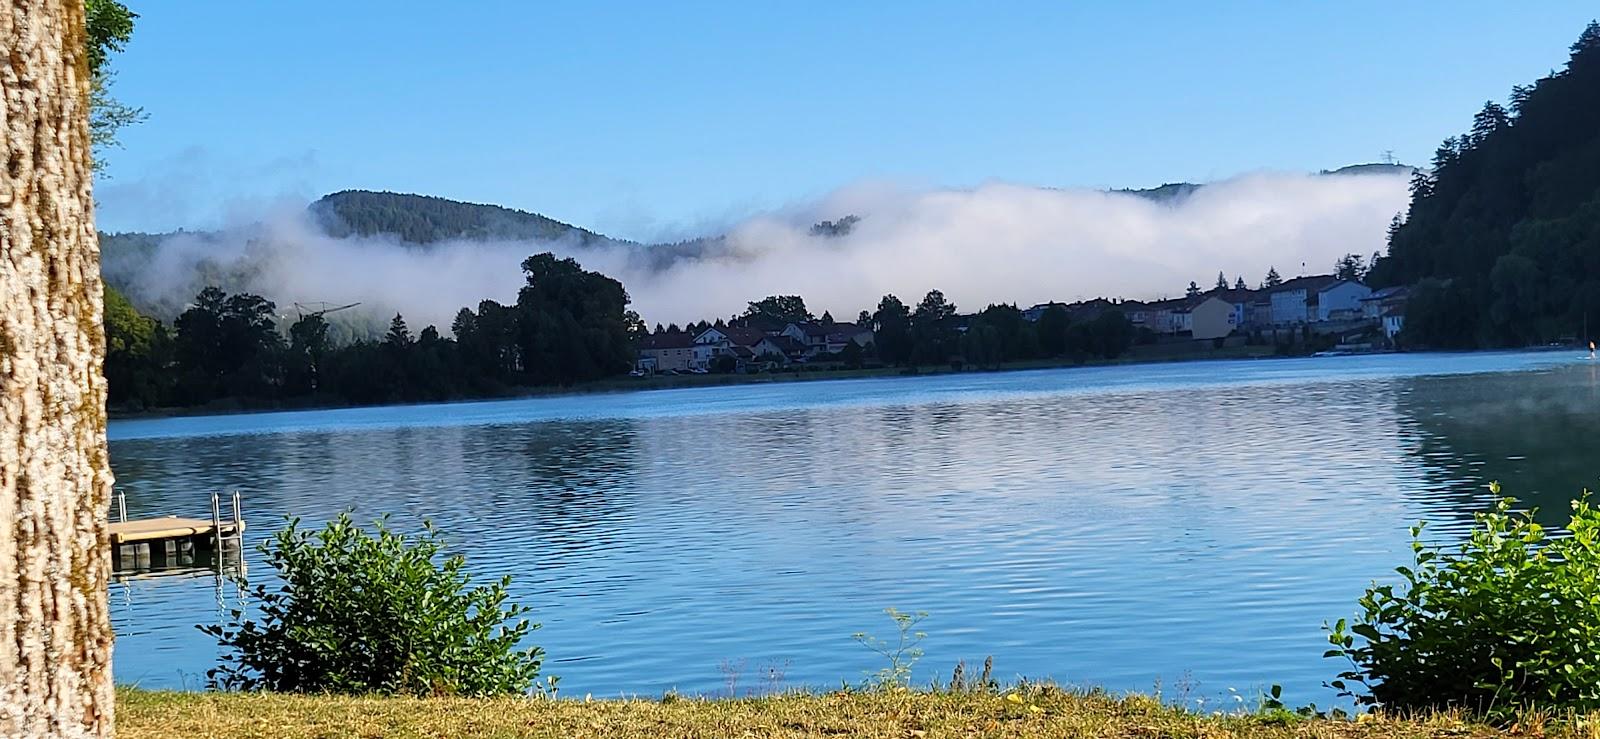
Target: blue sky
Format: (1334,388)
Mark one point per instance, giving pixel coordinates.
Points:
(655,120)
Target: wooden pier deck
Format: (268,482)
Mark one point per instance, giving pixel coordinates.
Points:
(154,543)
(169,527)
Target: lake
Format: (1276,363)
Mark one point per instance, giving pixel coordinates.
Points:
(1190,524)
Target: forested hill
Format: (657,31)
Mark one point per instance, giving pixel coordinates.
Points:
(1502,238)
(1175,191)
(425,219)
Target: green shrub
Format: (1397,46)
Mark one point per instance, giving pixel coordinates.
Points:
(374,613)
(1509,620)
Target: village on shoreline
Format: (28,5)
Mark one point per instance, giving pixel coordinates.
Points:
(1304,314)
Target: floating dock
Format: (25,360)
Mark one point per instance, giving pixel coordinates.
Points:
(158,543)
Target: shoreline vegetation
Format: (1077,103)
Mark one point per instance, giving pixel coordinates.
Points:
(1022,711)
(623,384)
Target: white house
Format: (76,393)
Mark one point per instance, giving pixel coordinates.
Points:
(1380,301)
(1394,321)
(1315,298)
(1341,299)
(1295,301)
(782,347)
(1168,316)
(831,338)
(1182,320)
(729,340)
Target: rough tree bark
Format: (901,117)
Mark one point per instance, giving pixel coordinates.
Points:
(55,480)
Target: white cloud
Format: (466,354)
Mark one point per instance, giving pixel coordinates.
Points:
(995,243)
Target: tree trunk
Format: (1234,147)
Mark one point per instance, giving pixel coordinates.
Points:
(55,479)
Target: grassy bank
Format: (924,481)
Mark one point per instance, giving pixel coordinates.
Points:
(1034,713)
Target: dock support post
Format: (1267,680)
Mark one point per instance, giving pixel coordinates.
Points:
(238,531)
(216,523)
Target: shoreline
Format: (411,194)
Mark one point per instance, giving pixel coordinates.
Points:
(626,384)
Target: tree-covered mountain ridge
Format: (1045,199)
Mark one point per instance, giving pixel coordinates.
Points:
(425,219)
(1175,192)
(1502,235)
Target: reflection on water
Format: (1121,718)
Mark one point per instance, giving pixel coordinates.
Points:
(1536,432)
(1105,526)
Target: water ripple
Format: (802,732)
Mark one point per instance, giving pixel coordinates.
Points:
(1107,526)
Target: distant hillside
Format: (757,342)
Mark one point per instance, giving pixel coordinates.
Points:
(1163,193)
(1175,191)
(425,219)
(1373,168)
(1502,237)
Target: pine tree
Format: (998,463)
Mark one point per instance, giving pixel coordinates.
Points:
(1273,280)
(1488,121)
(399,334)
(1238,284)
(1193,290)
(1586,50)
(1222,281)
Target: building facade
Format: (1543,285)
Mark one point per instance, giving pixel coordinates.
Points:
(1341,300)
(1211,318)
(666,351)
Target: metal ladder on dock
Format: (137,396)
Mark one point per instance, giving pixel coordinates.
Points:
(220,539)
(176,539)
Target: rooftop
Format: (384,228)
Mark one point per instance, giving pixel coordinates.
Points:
(1309,283)
(738,335)
(677,340)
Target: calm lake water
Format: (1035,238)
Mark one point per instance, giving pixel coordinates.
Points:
(1192,524)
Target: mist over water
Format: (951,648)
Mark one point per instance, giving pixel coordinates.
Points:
(997,242)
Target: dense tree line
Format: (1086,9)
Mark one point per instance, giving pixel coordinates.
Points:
(568,325)
(780,309)
(1502,236)
(933,333)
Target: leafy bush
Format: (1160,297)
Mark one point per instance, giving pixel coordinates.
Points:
(1508,621)
(374,613)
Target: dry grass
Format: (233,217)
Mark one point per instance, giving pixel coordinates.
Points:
(1042,713)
